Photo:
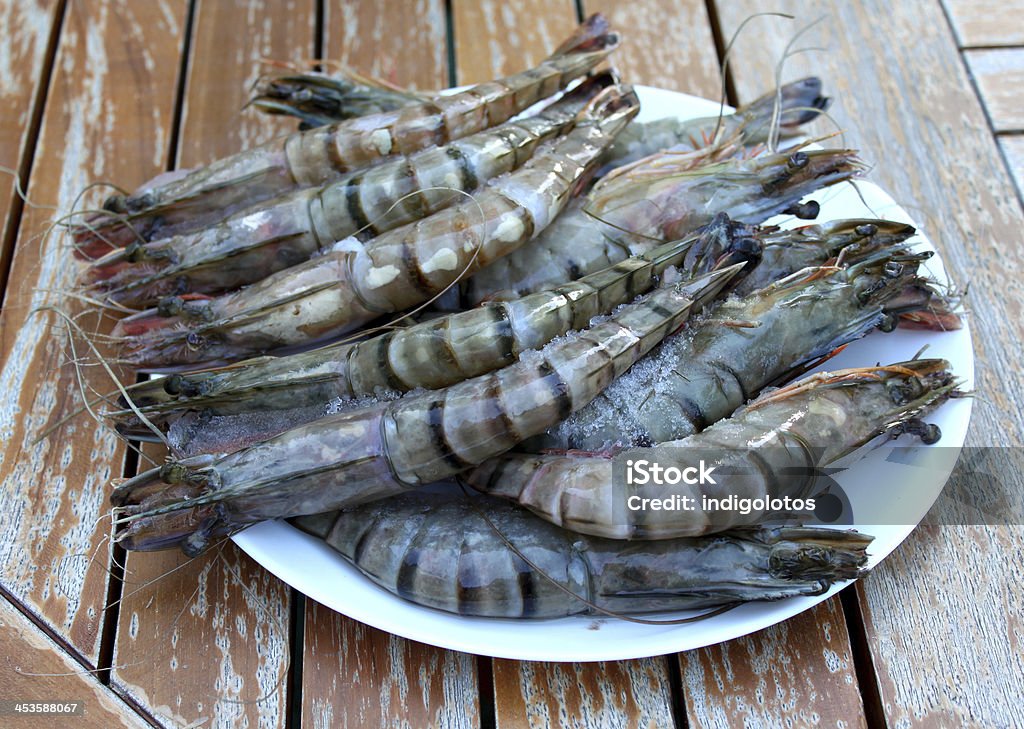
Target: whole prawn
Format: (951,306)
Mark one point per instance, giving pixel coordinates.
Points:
(769,449)
(384,449)
(430,355)
(486,558)
(661,198)
(354,282)
(166,206)
(289,229)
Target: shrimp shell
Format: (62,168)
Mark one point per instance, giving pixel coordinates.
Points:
(354,283)
(769,449)
(285,231)
(319,155)
(451,554)
(378,451)
(663,198)
(430,355)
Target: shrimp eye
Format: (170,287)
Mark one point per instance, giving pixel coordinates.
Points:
(893,269)
(804,211)
(133,252)
(195,341)
(887,323)
(170,306)
(172,384)
(798,160)
(867,230)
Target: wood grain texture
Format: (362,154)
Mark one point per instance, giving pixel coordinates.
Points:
(24,651)
(1000,78)
(400,41)
(606,694)
(1013,148)
(987,22)
(211,642)
(665,43)
(904,98)
(107,117)
(495,38)
(359,676)
(797,673)
(203,642)
(27,28)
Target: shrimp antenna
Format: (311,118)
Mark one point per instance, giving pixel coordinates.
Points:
(596,608)
(726,57)
(774,126)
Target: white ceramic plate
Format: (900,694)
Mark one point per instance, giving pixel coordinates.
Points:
(314,569)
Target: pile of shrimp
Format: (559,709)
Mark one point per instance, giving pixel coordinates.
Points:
(500,289)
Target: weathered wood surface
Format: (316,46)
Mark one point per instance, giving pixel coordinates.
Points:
(358,676)
(665,43)
(210,642)
(903,97)
(354,675)
(403,42)
(495,38)
(28,26)
(797,673)
(1000,76)
(108,117)
(1013,149)
(607,694)
(34,668)
(987,22)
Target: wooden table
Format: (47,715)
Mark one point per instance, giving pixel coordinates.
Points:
(123,89)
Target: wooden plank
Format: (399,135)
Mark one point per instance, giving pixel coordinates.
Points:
(987,22)
(665,43)
(1000,76)
(365,677)
(34,668)
(210,642)
(494,38)
(903,96)
(27,29)
(354,675)
(108,117)
(797,673)
(404,43)
(606,694)
(1013,148)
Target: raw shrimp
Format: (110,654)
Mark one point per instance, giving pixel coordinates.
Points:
(354,283)
(711,369)
(377,451)
(454,554)
(800,103)
(768,450)
(433,354)
(287,230)
(659,199)
(167,206)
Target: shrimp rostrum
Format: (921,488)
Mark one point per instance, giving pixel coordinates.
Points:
(485,558)
(289,229)
(168,205)
(384,449)
(768,450)
(432,354)
(355,282)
